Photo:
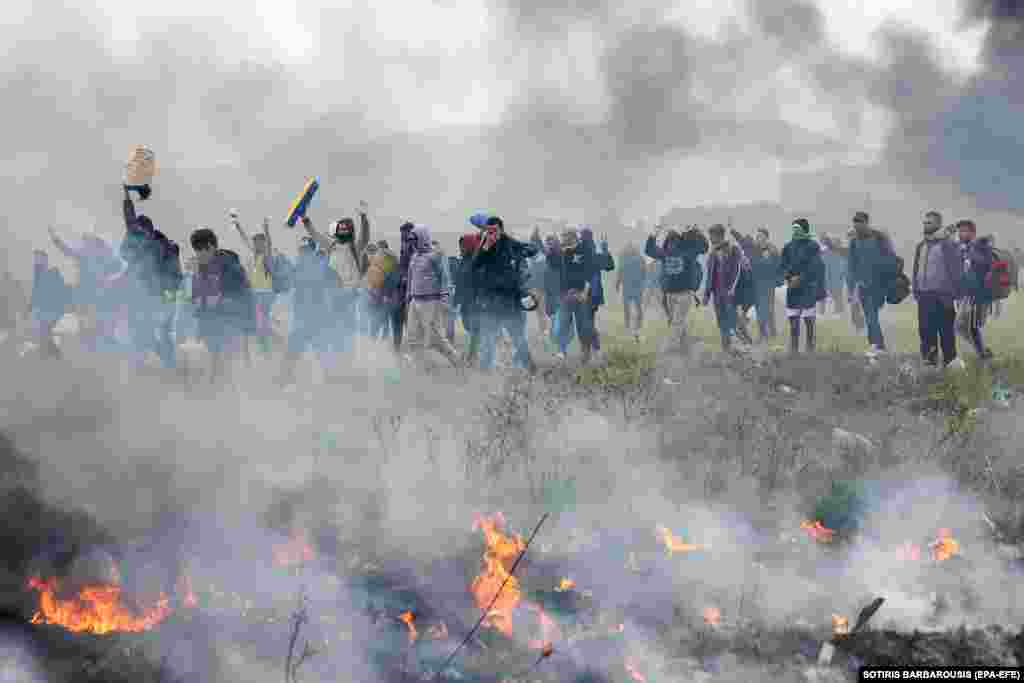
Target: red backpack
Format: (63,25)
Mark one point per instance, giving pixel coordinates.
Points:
(1002,279)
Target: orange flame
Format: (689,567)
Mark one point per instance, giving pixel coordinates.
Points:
(945,546)
(633,673)
(565,585)
(408,617)
(910,552)
(840,625)
(499,555)
(674,544)
(95,608)
(295,551)
(818,531)
(712,616)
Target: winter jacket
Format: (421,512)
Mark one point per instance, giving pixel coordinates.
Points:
(499,274)
(538,267)
(632,273)
(221,289)
(153,260)
(50,294)
(977,266)
(764,264)
(872,264)
(428,271)
(576,268)
(938,268)
(404,255)
(803,258)
(677,258)
(725,263)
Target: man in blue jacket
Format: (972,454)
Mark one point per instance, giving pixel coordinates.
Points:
(872,267)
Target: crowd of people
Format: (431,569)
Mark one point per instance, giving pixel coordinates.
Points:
(144,297)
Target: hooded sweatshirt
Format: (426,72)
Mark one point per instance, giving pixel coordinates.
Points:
(977,266)
(802,257)
(677,260)
(428,274)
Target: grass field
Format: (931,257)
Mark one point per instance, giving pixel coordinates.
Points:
(899,323)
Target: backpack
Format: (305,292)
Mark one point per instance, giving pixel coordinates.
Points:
(899,289)
(168,266)
(1002,278)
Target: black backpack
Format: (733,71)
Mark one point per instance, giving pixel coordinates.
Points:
(899,289)
(168,263)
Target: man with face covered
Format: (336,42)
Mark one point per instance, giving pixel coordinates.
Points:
(345,254)
(576,311)
(498,272)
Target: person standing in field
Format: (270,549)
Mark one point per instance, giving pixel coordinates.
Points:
(872,265)
(803,271)
(936,284)
(629,281)
(681,280)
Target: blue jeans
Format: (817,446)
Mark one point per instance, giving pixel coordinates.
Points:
(725,313)
(872,303)
(492,322)
(152,323)
(763,306)
(574,316)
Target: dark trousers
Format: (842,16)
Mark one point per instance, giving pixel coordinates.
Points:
(936,318)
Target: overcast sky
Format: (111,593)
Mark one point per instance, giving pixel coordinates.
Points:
(591,109)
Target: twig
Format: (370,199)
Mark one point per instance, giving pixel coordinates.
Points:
(494,600)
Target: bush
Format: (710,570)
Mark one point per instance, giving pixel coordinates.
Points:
(628,375)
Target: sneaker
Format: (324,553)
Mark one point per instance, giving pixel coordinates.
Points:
(874,351)
(956,364)
(560,357)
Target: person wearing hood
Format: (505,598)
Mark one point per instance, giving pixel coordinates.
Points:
(726,263)
(498,274)
(50,299)
(681,277)
(935,283)
(428,299)
(975,303)
(803,271)
(602,262)
(629,281)
(345,256)
(577,271)
(153,269)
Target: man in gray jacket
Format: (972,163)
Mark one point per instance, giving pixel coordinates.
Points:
(936,285)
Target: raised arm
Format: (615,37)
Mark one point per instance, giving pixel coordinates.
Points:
(364,227)
(61,245)
(241,231)
(129,210)
(322,241)
(266,235)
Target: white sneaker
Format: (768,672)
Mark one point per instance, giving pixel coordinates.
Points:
(560,357)
(873,351)
(956,364)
